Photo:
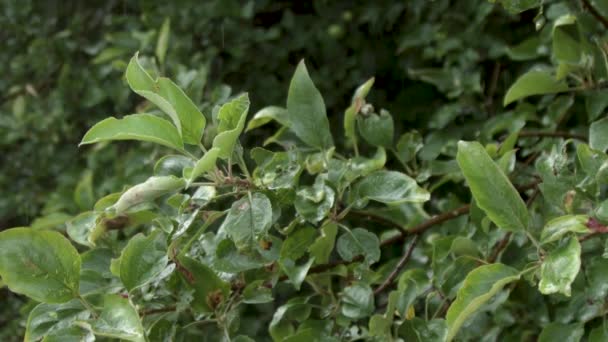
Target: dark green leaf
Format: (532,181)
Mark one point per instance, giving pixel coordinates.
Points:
(248,219)
(359,241)
(143,259)
(562,332)
(357,301)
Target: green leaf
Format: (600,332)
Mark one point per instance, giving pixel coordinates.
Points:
(190,122)
(479,286)
(257,293)
(517,6)
(306,111)
(562,332)
(558,227)
(266,115)
(560,267)
(209,290)
(84,229)
(119,319)
(595,103)
(143,127)
(314,202)
(205,164)
(295,273)
(377,129)
(163,40)
(599,334)
(231,116)
(143,259)
(149,190)
(69,334)
(357,301)
(296,244)
(351,112)
(491,188)
(46,318)
(419,330)
(535,82)
(408,145)
(42,265)
(388,187)
(359,241)
(248,219)
(598,135)
(323,246)
(566,48)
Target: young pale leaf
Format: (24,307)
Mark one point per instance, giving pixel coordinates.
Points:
(560,267)
(377,129)
(491,188)
(143,127)
(42,265)
(209,290)
(388,187)
(324,244)
(206,163)
(359,242)
(555,331)
(149,190)
(357,301)
(119,319)
(163,40)
(306,111)
(165,94)
(598,135)
(232,116)
(46,318)
(479,286)
(562,225)
(267,114)
(248,219)
(143,259)
(535,82)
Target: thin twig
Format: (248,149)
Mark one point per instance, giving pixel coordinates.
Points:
(587,5)
(391,277)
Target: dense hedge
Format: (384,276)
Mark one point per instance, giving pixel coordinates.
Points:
(419,170)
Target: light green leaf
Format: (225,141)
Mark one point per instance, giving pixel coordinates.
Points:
(149,190)
(84,228)
(172,165)
(555,331)
(69,334)
(205,164)
(388,187)
(143,127)
(143,259)
(209,290)
(566,48)
(357,301)
(560,267)
(190,122)
(232,116)
(535,82)
(163,40)
(296,273)
(598,135)
(266,115)
(248,219)
(119,319)
(377,129)
(83,194)
(306,111)
(351,112)
(296,244)
(562,225)
(492,190)
(479,286)
(314,202)
(324,244)
(359,241)
(42,265)
(257,293)
(46,318)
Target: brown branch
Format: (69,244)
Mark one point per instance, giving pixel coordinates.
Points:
(391,277)
(556,134)
(587,5)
